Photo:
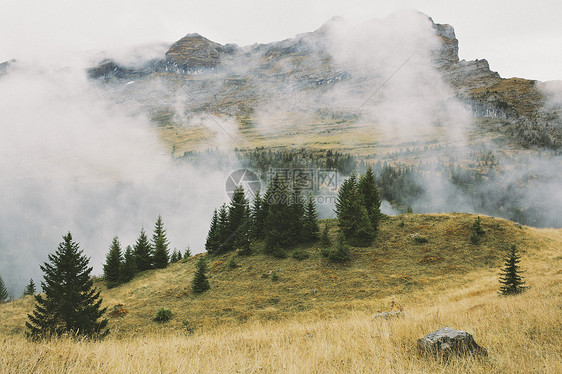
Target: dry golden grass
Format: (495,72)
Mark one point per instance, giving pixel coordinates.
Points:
(289,328)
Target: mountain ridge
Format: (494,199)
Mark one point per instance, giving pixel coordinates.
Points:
(234,80)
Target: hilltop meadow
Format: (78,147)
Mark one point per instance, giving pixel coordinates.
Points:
(264,314)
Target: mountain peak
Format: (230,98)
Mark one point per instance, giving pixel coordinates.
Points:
(194,51)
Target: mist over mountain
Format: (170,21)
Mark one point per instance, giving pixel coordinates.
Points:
(95,144)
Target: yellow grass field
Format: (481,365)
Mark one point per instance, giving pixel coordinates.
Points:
(318,318)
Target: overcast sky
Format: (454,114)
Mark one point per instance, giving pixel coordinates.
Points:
(518,38)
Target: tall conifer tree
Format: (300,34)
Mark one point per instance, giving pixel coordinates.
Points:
(370,193)
(160,244)
(258,216)
(129,265)
(69,302)
(223,229)
(143,252)
(238,221)
(353,218)
(278,227)
(212,242)
(310,222)
(30,288)
(296,211)
(112,266)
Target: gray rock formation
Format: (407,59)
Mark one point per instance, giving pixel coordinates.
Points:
(447,341)
(5,66)
(238,80)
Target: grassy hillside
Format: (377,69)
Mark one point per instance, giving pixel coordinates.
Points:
(317,317)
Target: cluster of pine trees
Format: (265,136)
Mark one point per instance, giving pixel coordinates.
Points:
(120,267)
(358,209)
(28,290)
(262,159)
(282,217)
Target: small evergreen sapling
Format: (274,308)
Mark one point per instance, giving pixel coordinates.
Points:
(510,278)
(325,238)
(339,255)
(30,288)
(200,282)
(476,231)
(163,315)
(176,256)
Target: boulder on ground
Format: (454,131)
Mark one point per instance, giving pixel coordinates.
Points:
(447,341)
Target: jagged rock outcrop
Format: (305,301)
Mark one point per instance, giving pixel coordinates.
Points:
(449,51)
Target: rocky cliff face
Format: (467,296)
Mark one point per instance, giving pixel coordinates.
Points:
(235,80)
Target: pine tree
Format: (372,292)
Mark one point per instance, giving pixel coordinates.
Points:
(371,199)
(187,253)
(258,216)
(325,239)
(364,231)
(477,227)
(69,302)
(212,243)
(477,231)
(510,277)
(3,291)
(223,234)
(296,211)
(129,266)
(176,256)
(200,282)
(310,228)
(160,244)
(30,288)
(353,218)
(344,193)
(260,213)
(238,222)
(143,252)
(113,263)
(277,228)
